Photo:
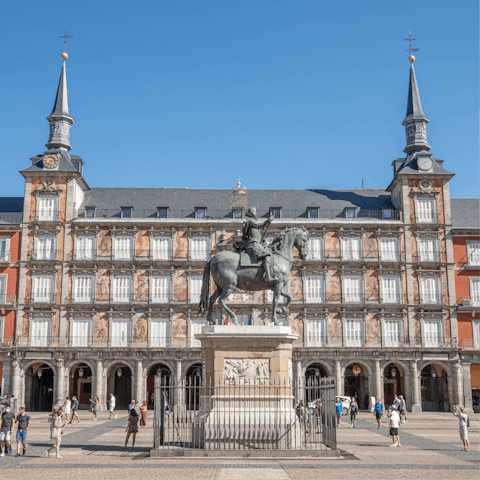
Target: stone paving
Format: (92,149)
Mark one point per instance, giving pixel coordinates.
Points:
(431,449)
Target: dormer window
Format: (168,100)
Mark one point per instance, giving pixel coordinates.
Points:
(387,213)
(90,212)
(350,213)
(277,212)
(312,212)
(200,212)
(162,212)
(127,212)
(237,213)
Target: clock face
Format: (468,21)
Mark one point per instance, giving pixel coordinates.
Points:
(50,161)
(424,163)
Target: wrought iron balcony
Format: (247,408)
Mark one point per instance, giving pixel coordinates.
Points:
(5,257)
(9,299)
(427,257)
(431,300)
(42,254)
(468,303)
(42,298)
(47,216)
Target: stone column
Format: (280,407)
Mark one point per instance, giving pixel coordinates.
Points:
(338,378)
(417,399)
(299,381)
(99,386)
(60,382)
(139,393)
(467,388)
(178,387)
(378,380)
(458,392)
(16,383)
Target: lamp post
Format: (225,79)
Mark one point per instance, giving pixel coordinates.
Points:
(119,372)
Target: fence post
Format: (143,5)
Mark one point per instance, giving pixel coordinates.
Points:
(157,419)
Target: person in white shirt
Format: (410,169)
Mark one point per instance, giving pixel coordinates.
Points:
(111,406)
(462,425)
(394,422)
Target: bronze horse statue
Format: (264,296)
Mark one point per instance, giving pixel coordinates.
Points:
(228,274)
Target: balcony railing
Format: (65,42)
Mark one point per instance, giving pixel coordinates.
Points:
(468,303)
(8,299)
(427,257)
(47,216)
(432,219)
(431,299)
(5,257)
(85,254)
(470,262)
(41,254)
(44,298)
(217,214)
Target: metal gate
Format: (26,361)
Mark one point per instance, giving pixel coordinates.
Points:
(251,415)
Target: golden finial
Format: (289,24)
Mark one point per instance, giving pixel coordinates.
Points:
(64,56)
(411,58)
(65,37)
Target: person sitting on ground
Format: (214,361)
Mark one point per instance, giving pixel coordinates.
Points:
(132,428)
(462,425)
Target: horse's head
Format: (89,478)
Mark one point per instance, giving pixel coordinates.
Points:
(301,241)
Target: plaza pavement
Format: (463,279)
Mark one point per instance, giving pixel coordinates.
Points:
(431,449)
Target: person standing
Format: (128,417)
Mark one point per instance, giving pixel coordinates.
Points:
(394,424)
(6,429)
(67,407)
(130,406)
(379,410)
(402,409)
(143,414)
(338,410)
(23,421)
(75,410)
(111,406)
(462,425)
(56,431)
(396,402)
(353,410)
(132,428)
(95,403)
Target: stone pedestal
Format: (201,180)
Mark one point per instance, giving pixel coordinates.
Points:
(247,400)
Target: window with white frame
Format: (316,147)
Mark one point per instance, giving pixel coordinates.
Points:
(81,331)
(392,332)
(430,292)
(475,291)
(353,332)
(198,248)
(313,212)
(195,289)
(120,332)
(476,333)
(195,329)
(122,289)
(427,249)
(351,248)
(315,332)
(3,289)
(43,289)
(391,289)
(161,248)
(85,248)
(47,208)
(353,288)
(39,332)
(45,248)
(314,289)
(389,249)
(83,289)
(159,332)
(432,333)
(4,249)
(269,297)
(314,248)
(2,329)
(425,210)
(160,289)
(123,248)
(473,253)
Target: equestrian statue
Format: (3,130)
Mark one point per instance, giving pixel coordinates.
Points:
(253,266)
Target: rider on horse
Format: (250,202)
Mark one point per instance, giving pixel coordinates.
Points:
(252,240)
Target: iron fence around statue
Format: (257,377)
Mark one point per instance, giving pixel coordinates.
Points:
(249,414)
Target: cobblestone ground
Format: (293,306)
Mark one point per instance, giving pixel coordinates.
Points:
(431,449)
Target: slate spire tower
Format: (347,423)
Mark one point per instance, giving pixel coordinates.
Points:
(60,120)
(415,121)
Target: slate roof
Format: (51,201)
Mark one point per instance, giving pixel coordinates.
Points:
(465,212)
(410,167)
(65,164)
(184,199)
(11,210)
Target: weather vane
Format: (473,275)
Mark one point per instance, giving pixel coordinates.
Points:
(65,36)
(410,40)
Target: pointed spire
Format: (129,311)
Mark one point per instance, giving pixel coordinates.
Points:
(415,121)
(60,120)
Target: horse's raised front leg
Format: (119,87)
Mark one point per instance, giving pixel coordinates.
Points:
(289,298)
(221,300)
(211,303)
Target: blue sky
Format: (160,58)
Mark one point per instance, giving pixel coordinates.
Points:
(283,94)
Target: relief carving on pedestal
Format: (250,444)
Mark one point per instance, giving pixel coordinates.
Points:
(244,371)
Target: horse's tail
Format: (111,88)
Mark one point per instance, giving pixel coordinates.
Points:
(205,295)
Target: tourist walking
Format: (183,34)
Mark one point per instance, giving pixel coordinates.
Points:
(75,410)
(338,410)
(402,409)
(463,424)
(394,425)
(95,403)
(111,407)
(353,410)
(132,428)
(379,410)
(23,421)
(67,407)
(6,430)
(143,414)
(56,431)
(130,406)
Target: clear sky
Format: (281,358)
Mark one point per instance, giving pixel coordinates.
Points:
(283,94)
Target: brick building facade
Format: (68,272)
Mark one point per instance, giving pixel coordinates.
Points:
(110,279)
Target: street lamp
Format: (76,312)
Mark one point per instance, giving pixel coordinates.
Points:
(119,372)
(393,373)
(317,372)
(433,373)
(81,372)
(39,373)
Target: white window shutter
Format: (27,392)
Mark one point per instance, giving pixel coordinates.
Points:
(392,333)
(4,249)
(85,248)
(161,248)
(475,291)
(196,328)
(430,290)
(159,332)
(389,249)
(391,290)
(81,333)
(160,289)
(196,289)
(47,208)
(315,248)
(353,332)
(199,248)
(43,289)
(3,290)
(122,289)
(473,251)
(432,333)
(314,289)
(315,333)
(428,250)
(353,289)
(120,333)
(426,210)
(83,290)
(39,332)
(123,248)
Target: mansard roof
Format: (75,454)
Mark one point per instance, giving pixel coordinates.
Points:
(11,210)
(465,213)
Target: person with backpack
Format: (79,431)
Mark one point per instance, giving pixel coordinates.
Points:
(23,421)
(463,424)
(353,410)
